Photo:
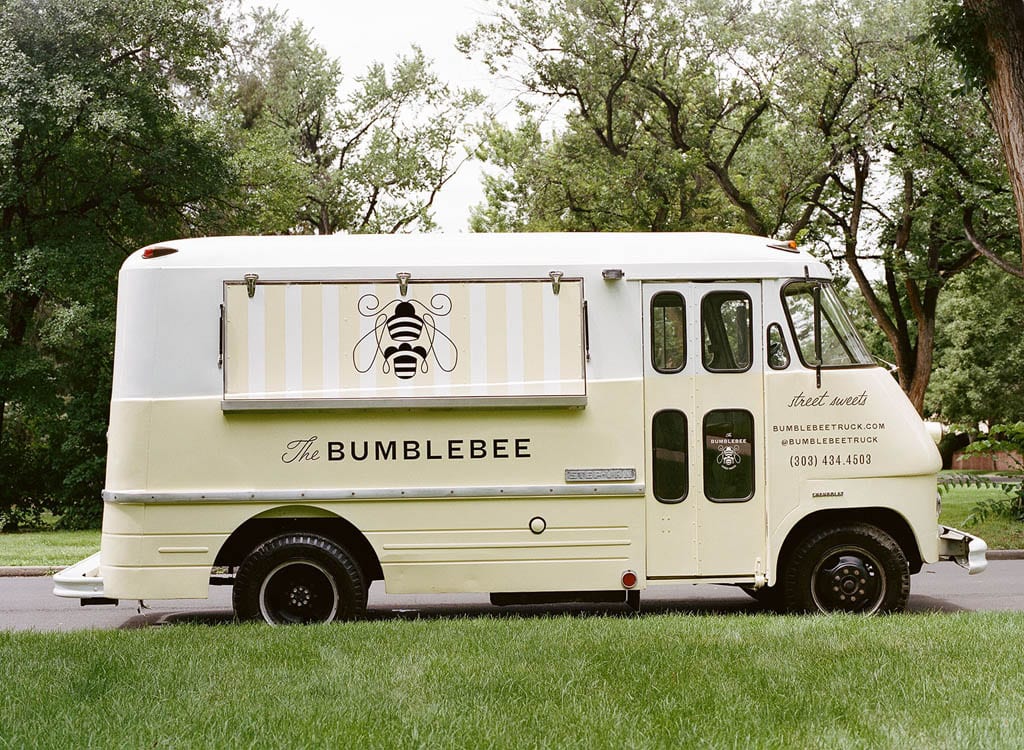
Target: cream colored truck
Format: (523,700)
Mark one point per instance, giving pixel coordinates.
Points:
(542,417)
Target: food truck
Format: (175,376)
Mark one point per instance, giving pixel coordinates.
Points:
(540,417)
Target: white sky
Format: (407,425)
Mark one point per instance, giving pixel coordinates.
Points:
(360,33)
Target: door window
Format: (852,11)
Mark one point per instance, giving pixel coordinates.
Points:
(668,332)
(841,345)
(729,455)
(778,352)
(669,440)
(727,335)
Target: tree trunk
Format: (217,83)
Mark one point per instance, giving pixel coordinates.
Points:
(1003,21)
(923,364)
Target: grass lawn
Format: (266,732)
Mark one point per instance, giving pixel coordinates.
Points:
(664,681)
(56,548)
(999,533)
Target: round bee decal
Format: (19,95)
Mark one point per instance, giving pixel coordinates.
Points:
(405,338)
(728,457)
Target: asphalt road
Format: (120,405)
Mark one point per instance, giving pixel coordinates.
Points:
(28,604)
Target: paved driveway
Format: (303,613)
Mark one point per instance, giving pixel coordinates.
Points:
(27,604)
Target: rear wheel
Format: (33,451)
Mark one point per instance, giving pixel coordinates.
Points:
(299,578)
(854,568)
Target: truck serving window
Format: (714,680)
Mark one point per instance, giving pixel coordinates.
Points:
(668,332)
(727,335)
(459,343)
(841,345)
(669,437)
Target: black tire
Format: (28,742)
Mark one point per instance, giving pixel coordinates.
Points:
(854,568)
(299,578)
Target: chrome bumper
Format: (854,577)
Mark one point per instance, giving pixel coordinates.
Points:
(965,550)
(80,581)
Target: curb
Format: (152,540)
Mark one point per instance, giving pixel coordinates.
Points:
(29,571)
(1005,554)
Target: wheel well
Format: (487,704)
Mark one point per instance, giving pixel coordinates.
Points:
(886,519)
(257,530)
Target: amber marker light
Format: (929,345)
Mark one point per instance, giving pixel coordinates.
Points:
(789,247)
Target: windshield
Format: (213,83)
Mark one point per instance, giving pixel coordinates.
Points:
(841,345)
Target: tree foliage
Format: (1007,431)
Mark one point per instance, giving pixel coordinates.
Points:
(315,155)
(675,94)
(568,183)
(977,364)
(97,156)
(839,123)
(924,160)
(987,39)
(122,123)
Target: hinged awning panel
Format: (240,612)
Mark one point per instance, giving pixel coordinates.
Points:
(351,344)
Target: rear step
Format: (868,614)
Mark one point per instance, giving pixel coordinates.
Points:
(512,598)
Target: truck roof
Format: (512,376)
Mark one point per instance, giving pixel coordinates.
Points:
(641,256)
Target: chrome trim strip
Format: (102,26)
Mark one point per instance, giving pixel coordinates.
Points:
(409,402)
(600,475)
(412,281)
(404,493)
(505,545)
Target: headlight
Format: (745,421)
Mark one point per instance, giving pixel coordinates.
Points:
(936,430)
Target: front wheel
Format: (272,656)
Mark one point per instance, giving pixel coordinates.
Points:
(853,568)
(299,578)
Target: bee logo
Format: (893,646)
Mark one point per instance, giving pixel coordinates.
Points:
(405,338)
(728,457)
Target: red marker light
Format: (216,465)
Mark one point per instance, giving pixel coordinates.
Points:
(157,252)
(629,579)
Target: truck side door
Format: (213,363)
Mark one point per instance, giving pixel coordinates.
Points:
(703,389)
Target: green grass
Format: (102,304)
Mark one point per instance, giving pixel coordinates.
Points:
(998,533)
(663,681)
(56,548)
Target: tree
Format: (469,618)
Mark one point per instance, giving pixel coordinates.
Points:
(896,200)
(988,38)
(568,182)
(977,363)
(684,84)
(314,160)
(97,156)
(838,123)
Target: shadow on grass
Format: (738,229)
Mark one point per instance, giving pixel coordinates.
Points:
(733,605)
